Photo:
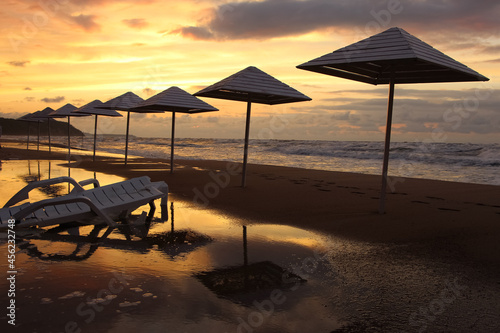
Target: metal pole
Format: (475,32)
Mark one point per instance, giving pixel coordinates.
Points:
(385,167)
(172,144)
(126,136)
(48,124)
(245,149)
(69,141)
(245,247)
(29,130)
(38,140)
(95,137)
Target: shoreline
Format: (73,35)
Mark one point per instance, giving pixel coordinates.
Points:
(338,203)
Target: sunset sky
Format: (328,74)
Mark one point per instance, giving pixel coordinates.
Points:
(67,51)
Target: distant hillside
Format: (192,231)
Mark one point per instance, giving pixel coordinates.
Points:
(18,127)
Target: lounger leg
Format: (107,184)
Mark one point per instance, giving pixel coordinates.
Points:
(107,233)
(152,209)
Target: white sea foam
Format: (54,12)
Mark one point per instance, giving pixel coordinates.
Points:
(465,162)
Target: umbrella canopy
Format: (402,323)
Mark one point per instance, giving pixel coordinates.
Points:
(29,118)
(91,108)
(46,114)
(68,110)
(174,100)
(252,85)
(125,102)
(38,117)
(390,57)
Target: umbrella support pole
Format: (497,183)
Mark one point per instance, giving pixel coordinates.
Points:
(385,167)
(245,246)
(95,138)
(126,137)
(172,144)
(69,141)
(48,124)
(28,143)
(38,140)
(245,151)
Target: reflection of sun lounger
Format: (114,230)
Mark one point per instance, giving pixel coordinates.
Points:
(101,204)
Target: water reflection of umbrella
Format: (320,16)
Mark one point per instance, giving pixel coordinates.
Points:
(68,110)
(393,56)
(91,108)
(237,281)
(174,100)
(252,85)
(125,102)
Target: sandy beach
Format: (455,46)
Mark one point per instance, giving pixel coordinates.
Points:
(453,226)
(345,204)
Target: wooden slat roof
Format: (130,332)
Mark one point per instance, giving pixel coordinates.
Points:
(43,115)
(68,110)
(91,108)
(29,117)
(253,85)
(373,59)
(174,99)
(123,102)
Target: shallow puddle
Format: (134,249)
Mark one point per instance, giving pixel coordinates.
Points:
(197,271)
(203,271)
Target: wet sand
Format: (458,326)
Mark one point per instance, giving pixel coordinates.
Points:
(437,238)
(344,204)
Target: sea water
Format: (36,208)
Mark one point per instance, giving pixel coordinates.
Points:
(460,162)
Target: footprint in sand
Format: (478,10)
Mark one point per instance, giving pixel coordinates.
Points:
(449,209)
(434,198)
(421,202)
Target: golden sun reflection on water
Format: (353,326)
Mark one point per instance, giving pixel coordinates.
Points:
(66,271)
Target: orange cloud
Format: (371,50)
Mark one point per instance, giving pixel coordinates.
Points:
(86,22)
(137,23)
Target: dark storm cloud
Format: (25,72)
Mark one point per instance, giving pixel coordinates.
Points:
(277,18)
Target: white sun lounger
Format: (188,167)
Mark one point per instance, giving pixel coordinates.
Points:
(101,204)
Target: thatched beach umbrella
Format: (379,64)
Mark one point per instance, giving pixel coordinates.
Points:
(28,118)
(126,102)
(252,85)
(390,57)
(91,108)
(174,100)
(68,110)
(47,114)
